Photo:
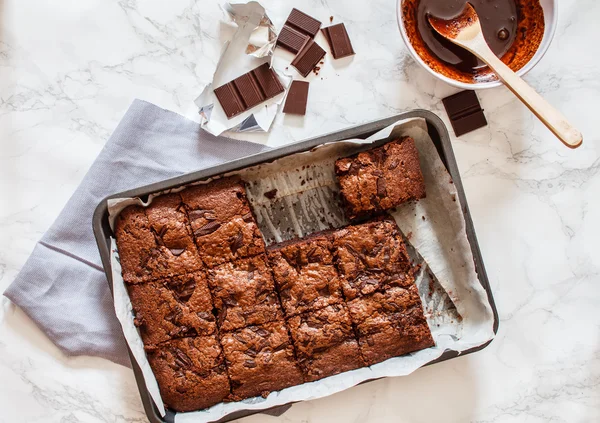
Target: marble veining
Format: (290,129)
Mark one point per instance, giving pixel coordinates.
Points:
(69,71)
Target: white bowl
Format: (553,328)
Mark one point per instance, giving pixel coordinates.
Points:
(550,8)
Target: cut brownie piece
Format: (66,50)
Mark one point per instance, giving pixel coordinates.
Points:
(157,247)
(371,256)
(381,178)
(305,275)
(325,342)
(190,372)
(260,359)
(173,308)
(390,323)
(244,293)
(222,221)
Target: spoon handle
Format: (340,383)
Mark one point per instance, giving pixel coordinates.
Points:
(552,118)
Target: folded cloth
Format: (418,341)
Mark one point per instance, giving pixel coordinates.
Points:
(62,286)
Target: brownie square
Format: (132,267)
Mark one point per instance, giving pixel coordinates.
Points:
(325,342)
(222,222)
(304,273)
(190,372)
(244,293)
(390,323)
(381,178)
(260,359)
(154,242)
(371,256)
(172,308)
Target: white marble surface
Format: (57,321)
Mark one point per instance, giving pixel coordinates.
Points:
(69,70)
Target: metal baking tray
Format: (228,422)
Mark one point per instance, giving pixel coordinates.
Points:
(439,134)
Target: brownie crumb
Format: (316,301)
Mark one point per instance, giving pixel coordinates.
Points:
(271,194)
(331,19)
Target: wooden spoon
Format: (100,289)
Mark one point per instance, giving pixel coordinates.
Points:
(465,31)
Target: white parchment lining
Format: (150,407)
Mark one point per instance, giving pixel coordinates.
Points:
(455,304)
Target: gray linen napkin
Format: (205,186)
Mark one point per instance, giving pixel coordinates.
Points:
(62,286)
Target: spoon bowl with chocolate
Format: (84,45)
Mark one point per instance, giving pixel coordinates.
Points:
(518,32)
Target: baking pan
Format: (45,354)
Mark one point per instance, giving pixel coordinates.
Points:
(438,134)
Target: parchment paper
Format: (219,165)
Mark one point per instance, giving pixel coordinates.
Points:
(251,46)
(455,304)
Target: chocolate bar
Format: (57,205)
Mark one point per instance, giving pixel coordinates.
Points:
(308,57)
(297,97)
(303,23)
(290,39)
(248,90)
(465,112)
(298,28)
(338,40)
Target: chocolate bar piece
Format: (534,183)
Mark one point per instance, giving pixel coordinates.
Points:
(295,103)
(248,90)
(290,39)
(338,40)
(303,23)
(465,112)
(308,57)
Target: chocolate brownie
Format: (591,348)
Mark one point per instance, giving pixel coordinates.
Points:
(305,275)
(222,222)
(172,308)
(390,323)
(260,359)
(190,372)
(244,293)
(381,178)
(325,342)
(371,256)
(154,242)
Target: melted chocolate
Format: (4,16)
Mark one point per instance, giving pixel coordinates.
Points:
(514,41)
(498,21)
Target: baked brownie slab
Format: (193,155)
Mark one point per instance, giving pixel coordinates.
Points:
(222,222)
(371,256)
(390,323)
(381,178)
(304,273)
(325,342)
(172,308)
(260,359)
(244,293)
(151,251)
(190,373)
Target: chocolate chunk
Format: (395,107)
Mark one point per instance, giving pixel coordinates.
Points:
(381,188)
(308,57)
(248,90)
(338,40)
(184,291)
(291,39)
(181,359)
(465,112)
(239,338)
(262,332)
(297,97)
(250,364)
(209,228)
(177,251)
(303,23)
(196,214)
(236,242)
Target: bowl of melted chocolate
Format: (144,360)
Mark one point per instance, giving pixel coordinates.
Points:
(518,31)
